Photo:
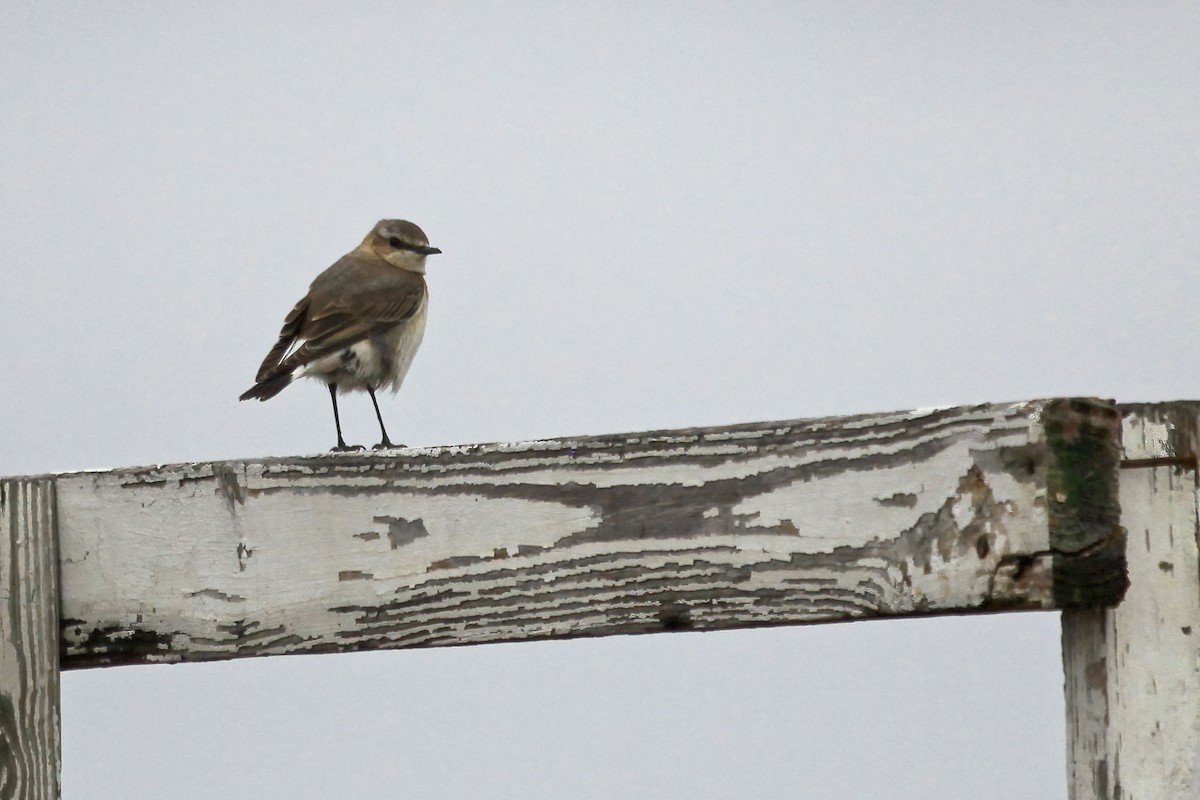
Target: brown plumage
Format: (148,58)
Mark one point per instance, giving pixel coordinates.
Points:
(360,324)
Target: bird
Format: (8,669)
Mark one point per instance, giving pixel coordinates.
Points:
(359,326)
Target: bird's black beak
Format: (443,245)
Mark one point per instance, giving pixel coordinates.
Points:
(428,251)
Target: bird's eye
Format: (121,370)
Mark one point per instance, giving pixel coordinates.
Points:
(396,243)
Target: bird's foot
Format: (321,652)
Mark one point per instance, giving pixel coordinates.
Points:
(342,447)
(387,444)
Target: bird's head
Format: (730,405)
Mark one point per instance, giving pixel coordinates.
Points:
(400,243)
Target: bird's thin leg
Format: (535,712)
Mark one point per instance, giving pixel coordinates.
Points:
(341,445)
(386,443)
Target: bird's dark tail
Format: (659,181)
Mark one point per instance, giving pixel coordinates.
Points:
(268,387)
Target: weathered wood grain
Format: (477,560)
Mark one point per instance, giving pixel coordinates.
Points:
(1133,671)
(30,749)
(990,507)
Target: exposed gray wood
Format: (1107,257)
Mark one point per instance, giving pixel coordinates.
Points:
(30,754)
(924,512)
(1084,440)
(1133,671)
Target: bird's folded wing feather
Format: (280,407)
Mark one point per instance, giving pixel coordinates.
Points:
(288,336)
(369,298)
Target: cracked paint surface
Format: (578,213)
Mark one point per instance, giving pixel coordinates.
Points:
(938,511)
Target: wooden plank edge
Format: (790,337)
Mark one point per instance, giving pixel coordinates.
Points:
(30,729)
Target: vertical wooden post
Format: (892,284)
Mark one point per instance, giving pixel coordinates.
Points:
(1133,671)
(30,746)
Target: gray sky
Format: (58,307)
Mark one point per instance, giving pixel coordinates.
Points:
(653,216)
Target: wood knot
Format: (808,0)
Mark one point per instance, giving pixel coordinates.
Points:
(674,618)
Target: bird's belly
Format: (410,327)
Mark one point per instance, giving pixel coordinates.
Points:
(376,363)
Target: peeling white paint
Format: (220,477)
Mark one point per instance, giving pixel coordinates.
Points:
(779,522)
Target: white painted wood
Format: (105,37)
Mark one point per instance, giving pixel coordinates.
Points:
(1133,672)
(937,511)
(30,749)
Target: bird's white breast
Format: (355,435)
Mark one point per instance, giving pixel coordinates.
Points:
(407,336)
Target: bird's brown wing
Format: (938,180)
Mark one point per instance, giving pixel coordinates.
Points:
(356,298)
(288,335)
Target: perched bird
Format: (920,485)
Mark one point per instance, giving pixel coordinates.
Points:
(360,324)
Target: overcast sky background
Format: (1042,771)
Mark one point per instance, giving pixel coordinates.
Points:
(653,216)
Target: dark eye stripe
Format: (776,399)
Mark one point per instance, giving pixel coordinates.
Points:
(400,244)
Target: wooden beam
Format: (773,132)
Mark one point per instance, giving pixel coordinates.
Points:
(1133,672)
(30,741)
(957,510)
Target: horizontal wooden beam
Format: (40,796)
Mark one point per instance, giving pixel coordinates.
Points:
(956,510)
